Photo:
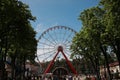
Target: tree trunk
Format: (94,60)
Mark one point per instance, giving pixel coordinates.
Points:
(118,51)
(4,76)
(20,69)
(95,66)
(107,63)
(24,67)
(13,67)
(116,47)
(97,69)
(2,68)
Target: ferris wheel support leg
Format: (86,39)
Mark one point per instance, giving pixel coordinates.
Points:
(51,64)
(70,65)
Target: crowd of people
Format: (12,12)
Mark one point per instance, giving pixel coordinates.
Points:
(64,77)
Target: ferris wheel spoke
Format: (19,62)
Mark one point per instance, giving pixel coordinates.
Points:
(46,48)
(52,38)
(45,53)
(61,35)
(55,37)
(46,44)
(58,40)
(67,45)
(67,39)
(62,39)
(64,36)
(48,56)
(67,48)
(68,42)
(49,41)
(67,53)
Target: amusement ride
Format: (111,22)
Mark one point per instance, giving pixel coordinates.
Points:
(55,42)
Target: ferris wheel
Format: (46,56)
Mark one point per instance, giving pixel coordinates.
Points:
(53,38)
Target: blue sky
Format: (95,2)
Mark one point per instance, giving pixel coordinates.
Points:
(50,13)
(58,12)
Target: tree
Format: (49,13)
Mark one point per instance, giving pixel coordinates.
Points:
(111,22)
(17,37)
(89,41)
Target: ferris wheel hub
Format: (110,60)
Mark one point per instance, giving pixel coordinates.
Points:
(60,48)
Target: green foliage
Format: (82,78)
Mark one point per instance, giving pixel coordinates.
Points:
(99,34)
(112,26)
(16,32)
(17,37)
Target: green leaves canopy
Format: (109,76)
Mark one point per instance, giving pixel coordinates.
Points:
(15,29)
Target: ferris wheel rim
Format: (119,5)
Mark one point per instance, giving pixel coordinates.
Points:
(55,28)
